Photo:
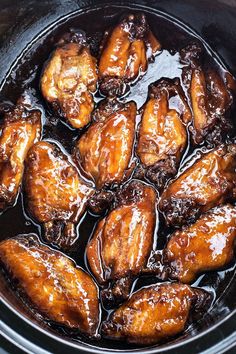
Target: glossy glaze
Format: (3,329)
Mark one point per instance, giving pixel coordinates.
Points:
(105,149)
(125,52)
(211,95)
(154,313)
(206,245)
(26,73)
(123,240)
(70,78)
(210,181)
(162,134)
(56,194)
(51,283)
(21,128)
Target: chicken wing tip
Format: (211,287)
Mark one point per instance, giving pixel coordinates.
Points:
(74,35)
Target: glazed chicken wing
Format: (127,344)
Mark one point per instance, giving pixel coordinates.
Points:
(105,150)
(52,283)
(154,313)
(21,128)
(125,52)
(56,194)
(162,134)
(206,245)
(211,96)
(69,79)
(207,183)
(123,240)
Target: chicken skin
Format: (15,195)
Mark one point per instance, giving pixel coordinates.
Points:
(21,128)
(211,96)
(162,135)
(155,313)
(125,52)
(206,245)
(209,182)
(51,282)
(105,149)
(56,194)
(69,79)
(123,240)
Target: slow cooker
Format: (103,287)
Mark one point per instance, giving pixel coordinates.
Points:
(23,23)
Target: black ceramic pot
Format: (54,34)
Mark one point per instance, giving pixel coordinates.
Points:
(21,21)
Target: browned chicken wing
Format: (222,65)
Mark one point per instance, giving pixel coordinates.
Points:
(56,194)
(207,183)
(69,79)
(21,128)
(154,313)
(51,282)
(162,134)
(123,240)
(211,96)
(105,150)
(125,52)
(206,245)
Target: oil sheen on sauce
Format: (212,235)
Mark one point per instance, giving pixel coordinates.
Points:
(25,76)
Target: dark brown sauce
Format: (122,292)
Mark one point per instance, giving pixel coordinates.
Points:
(25,75)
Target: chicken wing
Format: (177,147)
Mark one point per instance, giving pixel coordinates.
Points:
(69,79)
(207,183)
(211,96)
(155,313)
(162,135)
(105,149)
(51,282)
(206,245)
(123,240)
(21,128)
(56,194)
(125,52)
